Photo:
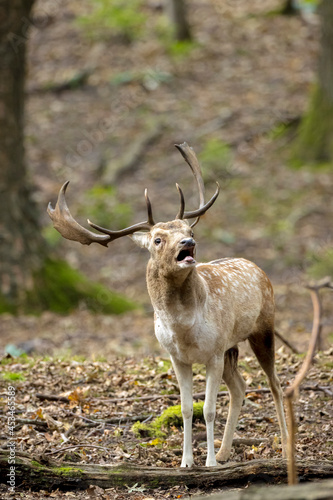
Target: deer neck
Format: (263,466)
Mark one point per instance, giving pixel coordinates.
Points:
(176,296)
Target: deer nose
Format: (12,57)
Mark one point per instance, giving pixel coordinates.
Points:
(188,242)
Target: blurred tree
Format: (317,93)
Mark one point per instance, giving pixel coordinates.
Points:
(289,8)
(22,247)
(315,140)
(29,280)
(177,14)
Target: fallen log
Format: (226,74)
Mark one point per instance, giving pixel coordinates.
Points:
(32,473)
(309,491)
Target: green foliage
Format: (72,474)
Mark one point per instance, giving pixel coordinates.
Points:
(5,306)
(61,289)
(215,158)
(9,359)
(308,5)
(104,208)
(164,31)
(13,350)
(13,377)
(321,264)
(172,416)
(181,49)
(51,236)
(114,17)
(164,366)
(149,78)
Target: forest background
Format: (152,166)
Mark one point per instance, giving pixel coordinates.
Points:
(106,98)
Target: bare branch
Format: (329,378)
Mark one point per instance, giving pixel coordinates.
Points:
(293,389)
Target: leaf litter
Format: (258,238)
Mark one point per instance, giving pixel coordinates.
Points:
(104,399)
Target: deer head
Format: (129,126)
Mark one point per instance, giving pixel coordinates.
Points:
(172,242)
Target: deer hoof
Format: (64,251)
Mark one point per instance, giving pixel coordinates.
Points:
(187,462)
(222,456)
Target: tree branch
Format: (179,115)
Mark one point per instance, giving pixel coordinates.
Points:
(294,388)
(33,474)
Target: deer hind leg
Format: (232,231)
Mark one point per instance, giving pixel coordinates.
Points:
(262,344)
(236,386)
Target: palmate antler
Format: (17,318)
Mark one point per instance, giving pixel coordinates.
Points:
(67,226)
(71,230)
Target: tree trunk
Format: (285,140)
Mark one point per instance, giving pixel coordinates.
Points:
(31,473)
(177,13)
(289,8)
(315,141)
(21,247)
(307,491)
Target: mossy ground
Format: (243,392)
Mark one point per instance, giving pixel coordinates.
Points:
(172,416)
(60,288)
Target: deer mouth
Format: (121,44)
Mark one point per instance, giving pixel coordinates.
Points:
(186,256)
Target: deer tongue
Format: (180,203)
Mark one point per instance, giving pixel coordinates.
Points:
(188,258)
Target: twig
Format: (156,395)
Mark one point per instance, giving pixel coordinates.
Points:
(293,389)
(201,395)
(112,420)
(77,81)
(28,421)
(153,397)
(52,397)
(60,450)
(286,342)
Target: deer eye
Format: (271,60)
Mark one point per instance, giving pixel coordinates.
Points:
(157,241)
(192,234)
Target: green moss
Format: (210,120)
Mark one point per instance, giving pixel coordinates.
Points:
(60,471)
(37,464)
(68,471)
(61,289)
(172,416)
(314,143)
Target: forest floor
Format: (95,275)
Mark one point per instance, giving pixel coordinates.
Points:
(97,402)
(105,113)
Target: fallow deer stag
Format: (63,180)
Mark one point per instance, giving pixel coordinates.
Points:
(202,311)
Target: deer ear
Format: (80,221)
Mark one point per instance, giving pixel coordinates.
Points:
(141,239)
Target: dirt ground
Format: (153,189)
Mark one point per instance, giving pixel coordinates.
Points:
(247,76)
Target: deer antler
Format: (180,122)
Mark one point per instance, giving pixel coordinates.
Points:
(191,159)
(69,228)
(72,230)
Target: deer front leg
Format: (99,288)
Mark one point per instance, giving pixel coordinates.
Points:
(214,372)
(185,381)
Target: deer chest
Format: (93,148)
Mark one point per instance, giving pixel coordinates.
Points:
(189,342)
